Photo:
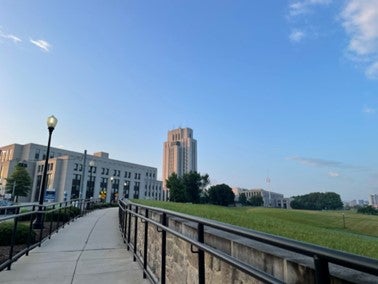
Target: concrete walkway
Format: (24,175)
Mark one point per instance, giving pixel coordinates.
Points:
(89,250)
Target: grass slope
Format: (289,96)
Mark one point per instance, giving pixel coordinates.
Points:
(325,228)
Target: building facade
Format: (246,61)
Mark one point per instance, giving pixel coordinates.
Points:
(72,175)
(271,199)
(180,153)
(373,200)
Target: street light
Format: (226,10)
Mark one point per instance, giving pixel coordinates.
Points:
(51,123)
(91,184)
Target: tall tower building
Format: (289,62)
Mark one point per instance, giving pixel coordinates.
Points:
(180,153)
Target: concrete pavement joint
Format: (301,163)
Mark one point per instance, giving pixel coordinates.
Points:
(83,249)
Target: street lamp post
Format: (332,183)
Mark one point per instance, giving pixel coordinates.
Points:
(51,123)
(90,191)
(112,195)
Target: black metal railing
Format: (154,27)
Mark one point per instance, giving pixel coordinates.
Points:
(130,212)
(54,217)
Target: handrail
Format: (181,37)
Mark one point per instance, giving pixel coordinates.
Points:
(60,208)
(322,256)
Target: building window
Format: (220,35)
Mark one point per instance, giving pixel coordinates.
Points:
(36,156)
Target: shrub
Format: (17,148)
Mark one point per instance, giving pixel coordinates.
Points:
(6,230)
(63,215)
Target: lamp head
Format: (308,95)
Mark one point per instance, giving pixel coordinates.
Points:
(51,122)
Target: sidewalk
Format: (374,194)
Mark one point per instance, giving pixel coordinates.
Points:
(89,250)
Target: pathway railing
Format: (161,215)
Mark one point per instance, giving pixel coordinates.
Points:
(54,216)
(131,213)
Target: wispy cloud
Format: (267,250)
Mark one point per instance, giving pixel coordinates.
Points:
(322,163)
(296,36)
(360,21)
(42,44)
(333,174)
(368,110)
(300,7)
(317,162)
(11,37)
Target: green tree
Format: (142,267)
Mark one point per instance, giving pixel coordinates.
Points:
(369,210)
(194,184)
(256,200)
(243,199)
(176,188)
(20,181)
(317,201)
(221,194)
(188,188)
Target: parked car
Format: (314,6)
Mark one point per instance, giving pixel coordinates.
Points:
(5,211)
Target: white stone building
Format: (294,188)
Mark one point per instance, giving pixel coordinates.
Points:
(373,200)
(72,174)
(271,199)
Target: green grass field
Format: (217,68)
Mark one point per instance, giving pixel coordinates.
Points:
(325,228)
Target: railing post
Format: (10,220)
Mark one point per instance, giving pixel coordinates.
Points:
(129,228)
(125,224)
(201,255)
(145,245)
(321,270)
(13,242)
(163,247)
(30,230)
(135,233)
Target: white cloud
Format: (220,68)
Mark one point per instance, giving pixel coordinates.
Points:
(317,162)
(360,21)
(368,110)
(333,174)
(298,7)
(296,36)
(11,37)
(372,70)
(42,44)
(321,163)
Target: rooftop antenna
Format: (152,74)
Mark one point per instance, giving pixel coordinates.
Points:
(268,188)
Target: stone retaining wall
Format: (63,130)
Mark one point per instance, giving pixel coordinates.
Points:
(181,262)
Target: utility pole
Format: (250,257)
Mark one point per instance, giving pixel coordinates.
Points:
(13,191)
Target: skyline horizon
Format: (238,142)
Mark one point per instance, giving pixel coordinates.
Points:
(159,171)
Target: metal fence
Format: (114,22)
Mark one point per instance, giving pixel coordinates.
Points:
(54,216)
(130,213)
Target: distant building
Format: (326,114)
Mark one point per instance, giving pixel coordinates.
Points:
(72,175)
(180,153)
(271,199)
(373,200)
(355,203)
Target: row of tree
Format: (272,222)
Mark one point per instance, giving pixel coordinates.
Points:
(369,210)
(191,187)
(317,201)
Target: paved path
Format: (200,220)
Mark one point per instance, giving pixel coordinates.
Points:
(89,250)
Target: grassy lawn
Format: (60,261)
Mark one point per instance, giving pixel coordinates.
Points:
(325,228)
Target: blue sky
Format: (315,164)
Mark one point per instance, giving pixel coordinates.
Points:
(285,89)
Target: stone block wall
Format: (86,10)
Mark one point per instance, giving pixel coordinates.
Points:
(181,262)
